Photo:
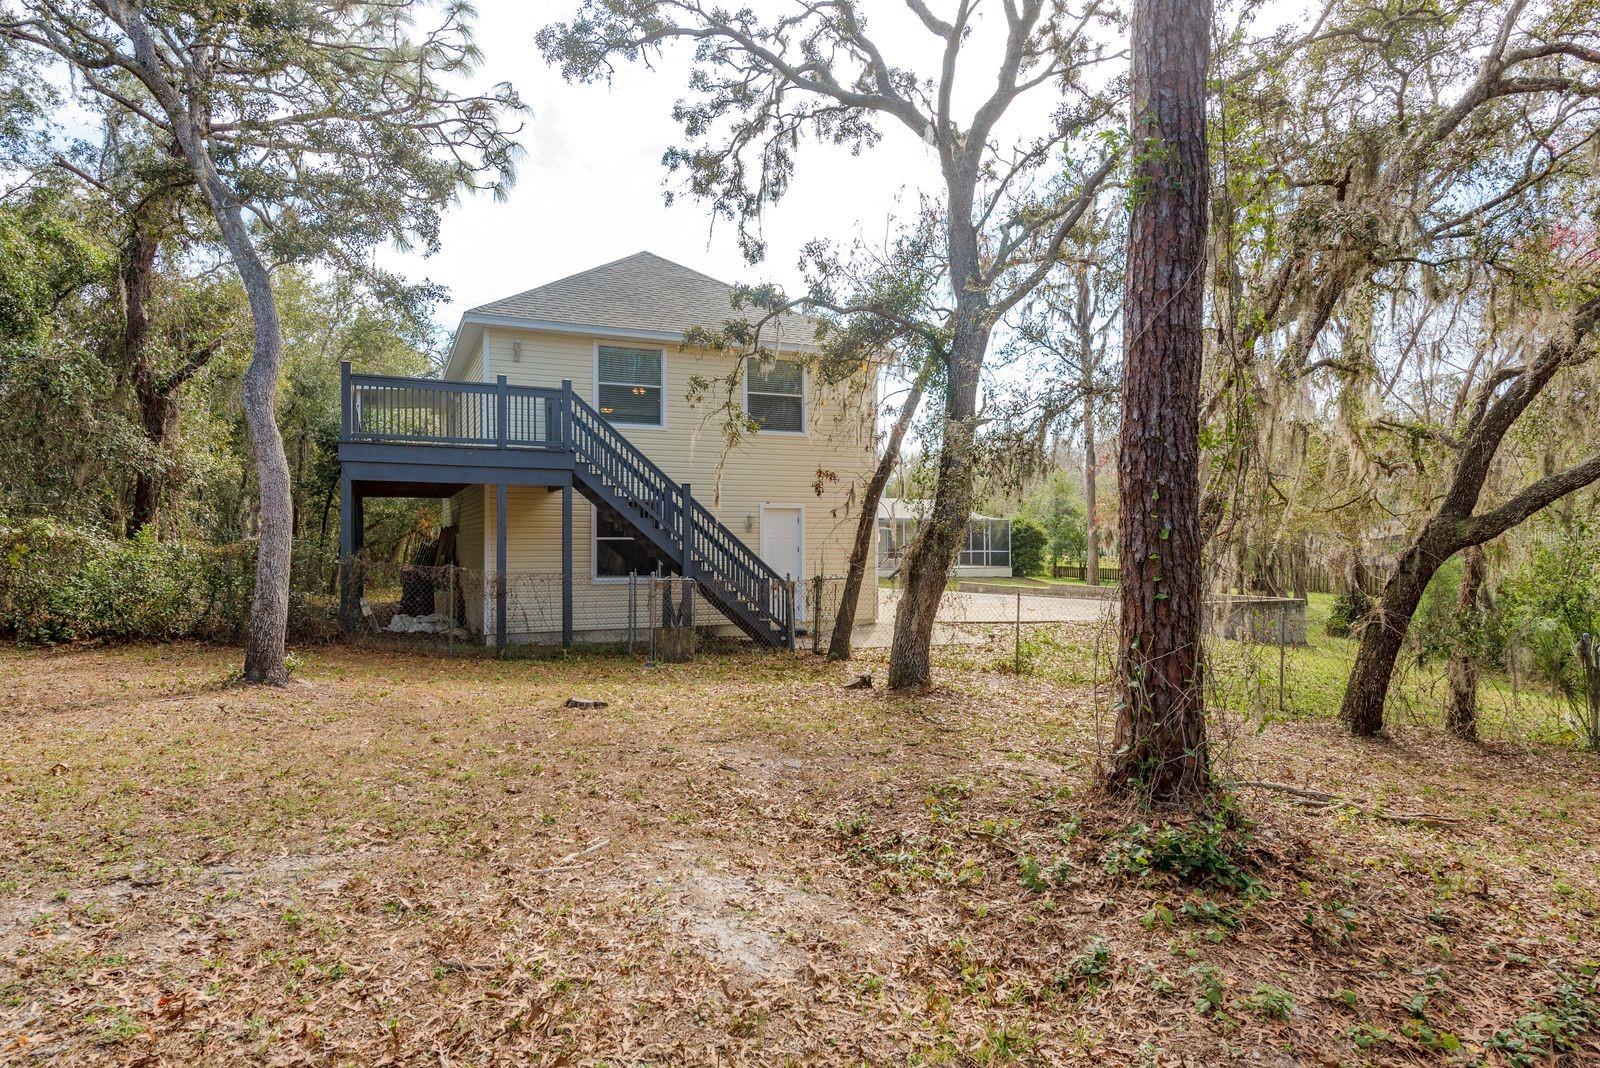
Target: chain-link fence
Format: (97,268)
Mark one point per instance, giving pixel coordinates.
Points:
(656,617)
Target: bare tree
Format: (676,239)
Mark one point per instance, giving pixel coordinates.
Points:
(324,127)
(1071,319)
(1008,205)
(862,549)
(1160,750)
(870,309)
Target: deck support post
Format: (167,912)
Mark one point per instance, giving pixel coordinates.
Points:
(500,566)
(566,566)
(351,541)
(346,421)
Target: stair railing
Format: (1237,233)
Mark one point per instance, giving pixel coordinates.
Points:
(716,555)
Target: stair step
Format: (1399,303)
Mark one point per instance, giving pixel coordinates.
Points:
(752,614)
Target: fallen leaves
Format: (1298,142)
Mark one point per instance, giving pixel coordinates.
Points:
(739,860)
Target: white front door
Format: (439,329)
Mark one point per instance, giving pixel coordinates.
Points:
(783,546)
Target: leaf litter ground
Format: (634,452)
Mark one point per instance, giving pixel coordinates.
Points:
(429,860)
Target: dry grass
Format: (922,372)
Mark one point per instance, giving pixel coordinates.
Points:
(425,860)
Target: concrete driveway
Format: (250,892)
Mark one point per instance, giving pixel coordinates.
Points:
(961,615)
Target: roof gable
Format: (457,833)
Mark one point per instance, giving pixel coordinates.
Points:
(642,293)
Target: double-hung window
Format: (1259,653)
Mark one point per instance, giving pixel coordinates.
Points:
(630,382)
(774,395)
(617,553)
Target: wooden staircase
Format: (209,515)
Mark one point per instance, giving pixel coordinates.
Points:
(609,469)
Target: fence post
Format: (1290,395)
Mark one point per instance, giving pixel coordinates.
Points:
(450,608)
(1281,655)
(633,608)
(650,615)
(788,597)
(1016,638)
(501,408)
(816,614)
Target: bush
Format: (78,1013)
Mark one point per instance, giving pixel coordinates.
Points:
(1435,628)
(63,584)
(1028,540)
(1208,850)
(1550,612)
(1348,610)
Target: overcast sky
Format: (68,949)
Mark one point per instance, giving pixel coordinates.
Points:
(589,187)
(590,182)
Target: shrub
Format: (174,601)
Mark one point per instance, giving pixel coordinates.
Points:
(1435,627)
(1028,540)
(1551,613)
(63,584)
(1205,851)
(1348,610)
(1271,1003)
(1553,1025)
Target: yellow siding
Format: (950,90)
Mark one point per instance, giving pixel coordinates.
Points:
(472,368)
(836,453)
(466,511)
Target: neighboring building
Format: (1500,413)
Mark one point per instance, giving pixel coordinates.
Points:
(988,549)
(582,385)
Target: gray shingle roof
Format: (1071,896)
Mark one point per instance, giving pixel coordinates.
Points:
(642,292)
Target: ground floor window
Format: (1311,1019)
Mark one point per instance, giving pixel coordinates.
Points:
(988,543)
(618,552)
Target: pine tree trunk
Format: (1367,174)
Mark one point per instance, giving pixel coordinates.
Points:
(1462,716)
(943,532)
(1160,749)
(862,555)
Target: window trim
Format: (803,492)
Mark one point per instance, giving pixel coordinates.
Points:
(805,404)
(594,552)
(615,344)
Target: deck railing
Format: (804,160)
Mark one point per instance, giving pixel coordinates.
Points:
(381,409)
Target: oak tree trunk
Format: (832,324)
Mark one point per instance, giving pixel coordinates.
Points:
(862,553)
(1160,749)
(942,533)
(156,415)
(1454,526)
(187,114)
(1461,718)
(269,607)
(1091,552)
(1384,631)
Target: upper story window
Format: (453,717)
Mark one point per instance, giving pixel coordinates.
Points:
(775,396)
(630,385)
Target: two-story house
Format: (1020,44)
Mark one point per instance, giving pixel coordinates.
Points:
(575,434)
